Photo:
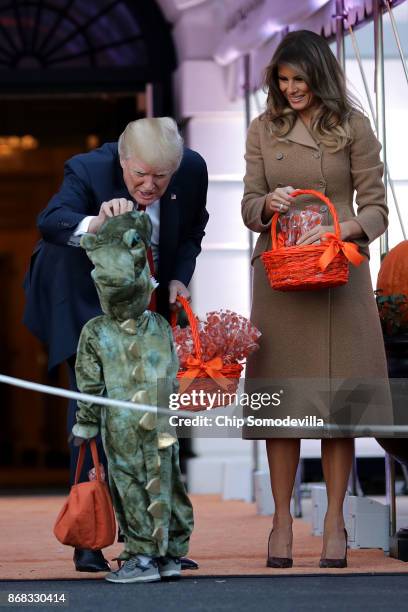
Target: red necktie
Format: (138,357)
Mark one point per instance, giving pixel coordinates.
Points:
(153,302)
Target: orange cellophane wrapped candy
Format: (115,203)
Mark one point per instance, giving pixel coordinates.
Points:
(297,222)
(223,333)
(210,352)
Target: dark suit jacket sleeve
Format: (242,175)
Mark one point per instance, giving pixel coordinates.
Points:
(190,247)
(68,206)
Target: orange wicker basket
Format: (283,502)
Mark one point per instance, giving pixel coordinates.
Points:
(205,377)
(305,268)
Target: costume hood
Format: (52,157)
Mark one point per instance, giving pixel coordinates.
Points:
(122,274)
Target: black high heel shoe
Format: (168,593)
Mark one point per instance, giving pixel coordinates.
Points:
(337,563)
(277,562)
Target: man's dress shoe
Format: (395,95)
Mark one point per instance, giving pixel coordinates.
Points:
(188,564)
(90,561)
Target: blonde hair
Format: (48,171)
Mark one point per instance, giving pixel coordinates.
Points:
(310,55)
(155,141)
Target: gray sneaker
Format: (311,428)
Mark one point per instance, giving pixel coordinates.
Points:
(169,567)
(133,570)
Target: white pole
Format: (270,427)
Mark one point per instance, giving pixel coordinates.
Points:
(373,116)
(247,88)
(340,46)
(397,39)
(380,100)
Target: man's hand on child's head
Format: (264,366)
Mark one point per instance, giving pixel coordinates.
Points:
(113,208)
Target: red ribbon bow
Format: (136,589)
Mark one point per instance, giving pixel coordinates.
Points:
(335,245)
(195,366)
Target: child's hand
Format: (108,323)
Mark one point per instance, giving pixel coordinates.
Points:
(92,473)
(76,440)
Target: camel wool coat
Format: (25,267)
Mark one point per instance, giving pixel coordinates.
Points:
(321,350)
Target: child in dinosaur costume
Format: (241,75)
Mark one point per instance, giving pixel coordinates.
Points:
(128,354)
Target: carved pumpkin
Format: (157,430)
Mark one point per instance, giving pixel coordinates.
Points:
(393,275)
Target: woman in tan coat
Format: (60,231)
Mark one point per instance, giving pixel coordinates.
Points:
(312,136)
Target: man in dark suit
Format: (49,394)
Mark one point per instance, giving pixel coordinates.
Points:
(149,169)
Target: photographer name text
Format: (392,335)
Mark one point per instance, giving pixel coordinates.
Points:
(238,422)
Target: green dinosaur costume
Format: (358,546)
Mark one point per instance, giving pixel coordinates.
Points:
(128,354)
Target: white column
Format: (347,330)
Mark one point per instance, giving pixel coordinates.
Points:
(215,128)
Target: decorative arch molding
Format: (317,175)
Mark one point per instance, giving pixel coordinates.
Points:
(79,45)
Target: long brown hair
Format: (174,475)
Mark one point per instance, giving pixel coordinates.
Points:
(310,55)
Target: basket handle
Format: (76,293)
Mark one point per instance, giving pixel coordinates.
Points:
(317,195)
(81,457)
(193,325)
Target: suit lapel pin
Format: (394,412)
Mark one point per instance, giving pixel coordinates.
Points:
(173,196)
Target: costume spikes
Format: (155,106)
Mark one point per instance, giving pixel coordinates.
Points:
(156,509)
(148,421)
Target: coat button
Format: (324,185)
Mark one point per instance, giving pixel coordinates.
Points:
(279,155)
(316,155)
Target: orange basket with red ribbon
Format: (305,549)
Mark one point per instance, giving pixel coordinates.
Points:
(309,267)
(205,377)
